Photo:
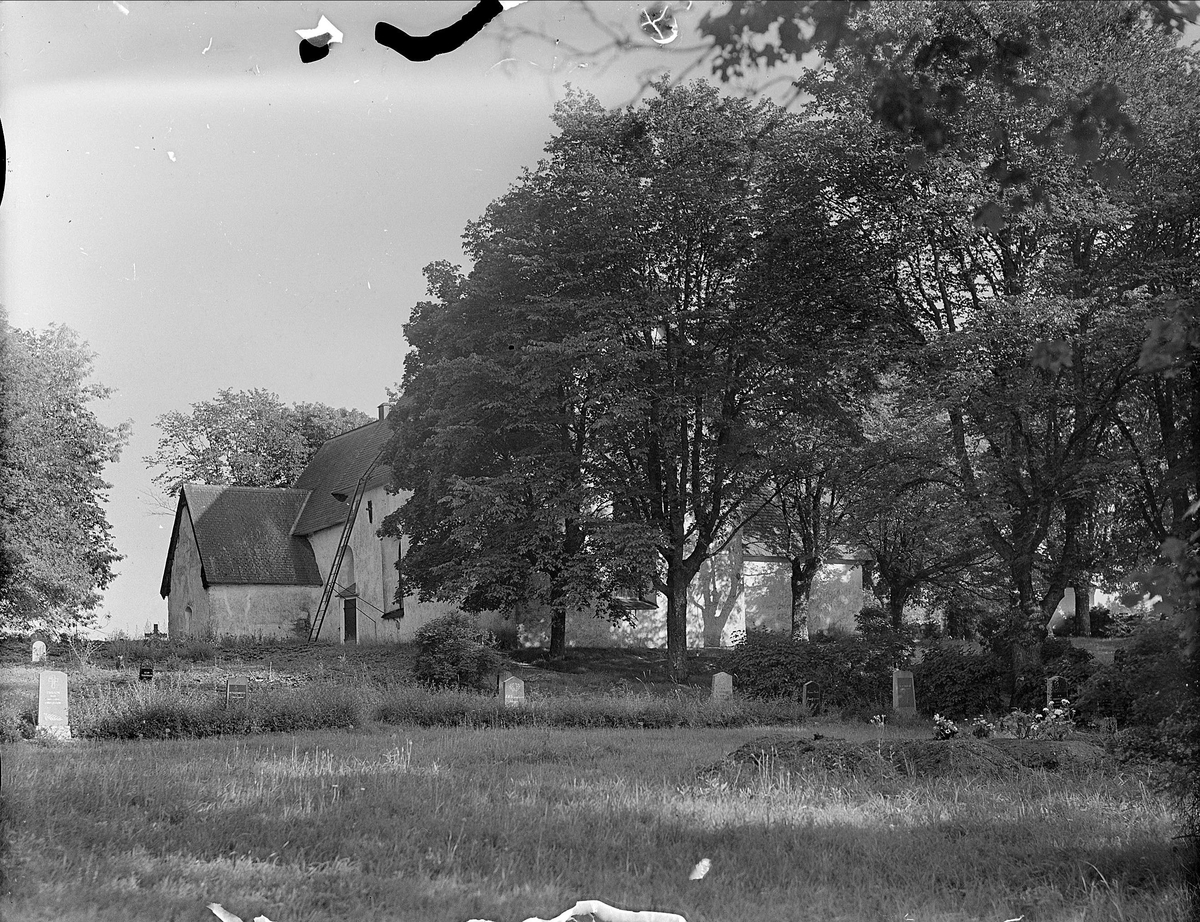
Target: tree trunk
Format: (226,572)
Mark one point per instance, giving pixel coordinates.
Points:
(1082,584)
(677,603)
(558,632)
(803,571)
(897,598)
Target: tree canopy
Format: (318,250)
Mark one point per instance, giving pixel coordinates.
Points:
(244,438)
(56,544)
(649,306)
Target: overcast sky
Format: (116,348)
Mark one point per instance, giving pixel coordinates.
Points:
(208,212)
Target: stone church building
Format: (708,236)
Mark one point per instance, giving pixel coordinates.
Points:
(256,561)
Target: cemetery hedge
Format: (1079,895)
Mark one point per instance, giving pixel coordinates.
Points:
(171,711)
(959,684)
(850,672)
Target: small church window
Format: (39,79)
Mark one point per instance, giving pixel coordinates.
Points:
(370,512)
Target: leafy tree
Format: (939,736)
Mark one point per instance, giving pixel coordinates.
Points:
(1029,333)
(815,472)
(56,546)
(244,438)
(493,430)
(655,301)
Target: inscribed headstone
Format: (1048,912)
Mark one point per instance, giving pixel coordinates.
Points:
(722,686)
(146,674)
(1050,684)
(512,691)
(52,704)
(39,651)
(904,695)
(237,690)
(811,699)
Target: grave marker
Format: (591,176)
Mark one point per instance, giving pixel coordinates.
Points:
(814,701)
(146,674)
(512,691)
(52,704)
(39,651)
(1050,680)
(237,690)
(904,695)
(722,686)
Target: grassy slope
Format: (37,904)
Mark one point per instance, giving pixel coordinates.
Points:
(503,825)
(459,824)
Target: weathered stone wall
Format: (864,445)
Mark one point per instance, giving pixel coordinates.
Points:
(260,610)
(187,588)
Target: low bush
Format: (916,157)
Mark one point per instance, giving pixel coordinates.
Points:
(958,684)
(454,652)
(850,671)
(421,707)
(1058,658)
(1146,683)
(142,711)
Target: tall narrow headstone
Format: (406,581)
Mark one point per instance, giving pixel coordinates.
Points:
(904,695)
(39,651)
(512,691)
(722,686)
(237,690)
(52,704)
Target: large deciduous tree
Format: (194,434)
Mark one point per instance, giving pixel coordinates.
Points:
(56,545)
(492,435)
(244,438)
(1022,292)
(674,282)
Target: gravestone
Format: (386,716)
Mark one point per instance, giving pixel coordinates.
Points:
(52,704)
(512,691)
(904,695)
(39,651)
(722,686)
(237,690)
(812,700)
(1050,683)
(146,674)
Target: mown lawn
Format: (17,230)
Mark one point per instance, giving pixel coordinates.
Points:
(503,824)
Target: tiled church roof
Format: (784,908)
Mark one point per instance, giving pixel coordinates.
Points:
(260,534)
(336,468)
(244,535)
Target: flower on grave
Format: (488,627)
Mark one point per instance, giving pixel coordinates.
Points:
(982,728)
(879,720)
(944,728)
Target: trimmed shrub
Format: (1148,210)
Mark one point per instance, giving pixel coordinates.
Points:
(852,671)
(959,684)
(1058,657)
(1147,682)
(454,652)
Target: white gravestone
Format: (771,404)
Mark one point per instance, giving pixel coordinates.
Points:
(39,651)
(52,704)
(722,686)
(904,695)
(512,691)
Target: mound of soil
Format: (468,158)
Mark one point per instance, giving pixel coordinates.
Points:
(1053,755)
(956,758)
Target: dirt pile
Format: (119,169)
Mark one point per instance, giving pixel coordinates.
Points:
(956,758)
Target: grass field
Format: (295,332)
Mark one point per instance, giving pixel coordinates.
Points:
(407,823)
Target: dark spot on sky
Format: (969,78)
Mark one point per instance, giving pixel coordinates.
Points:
(424,47)
(310,52)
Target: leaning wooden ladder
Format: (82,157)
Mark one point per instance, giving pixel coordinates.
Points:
(343,542)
